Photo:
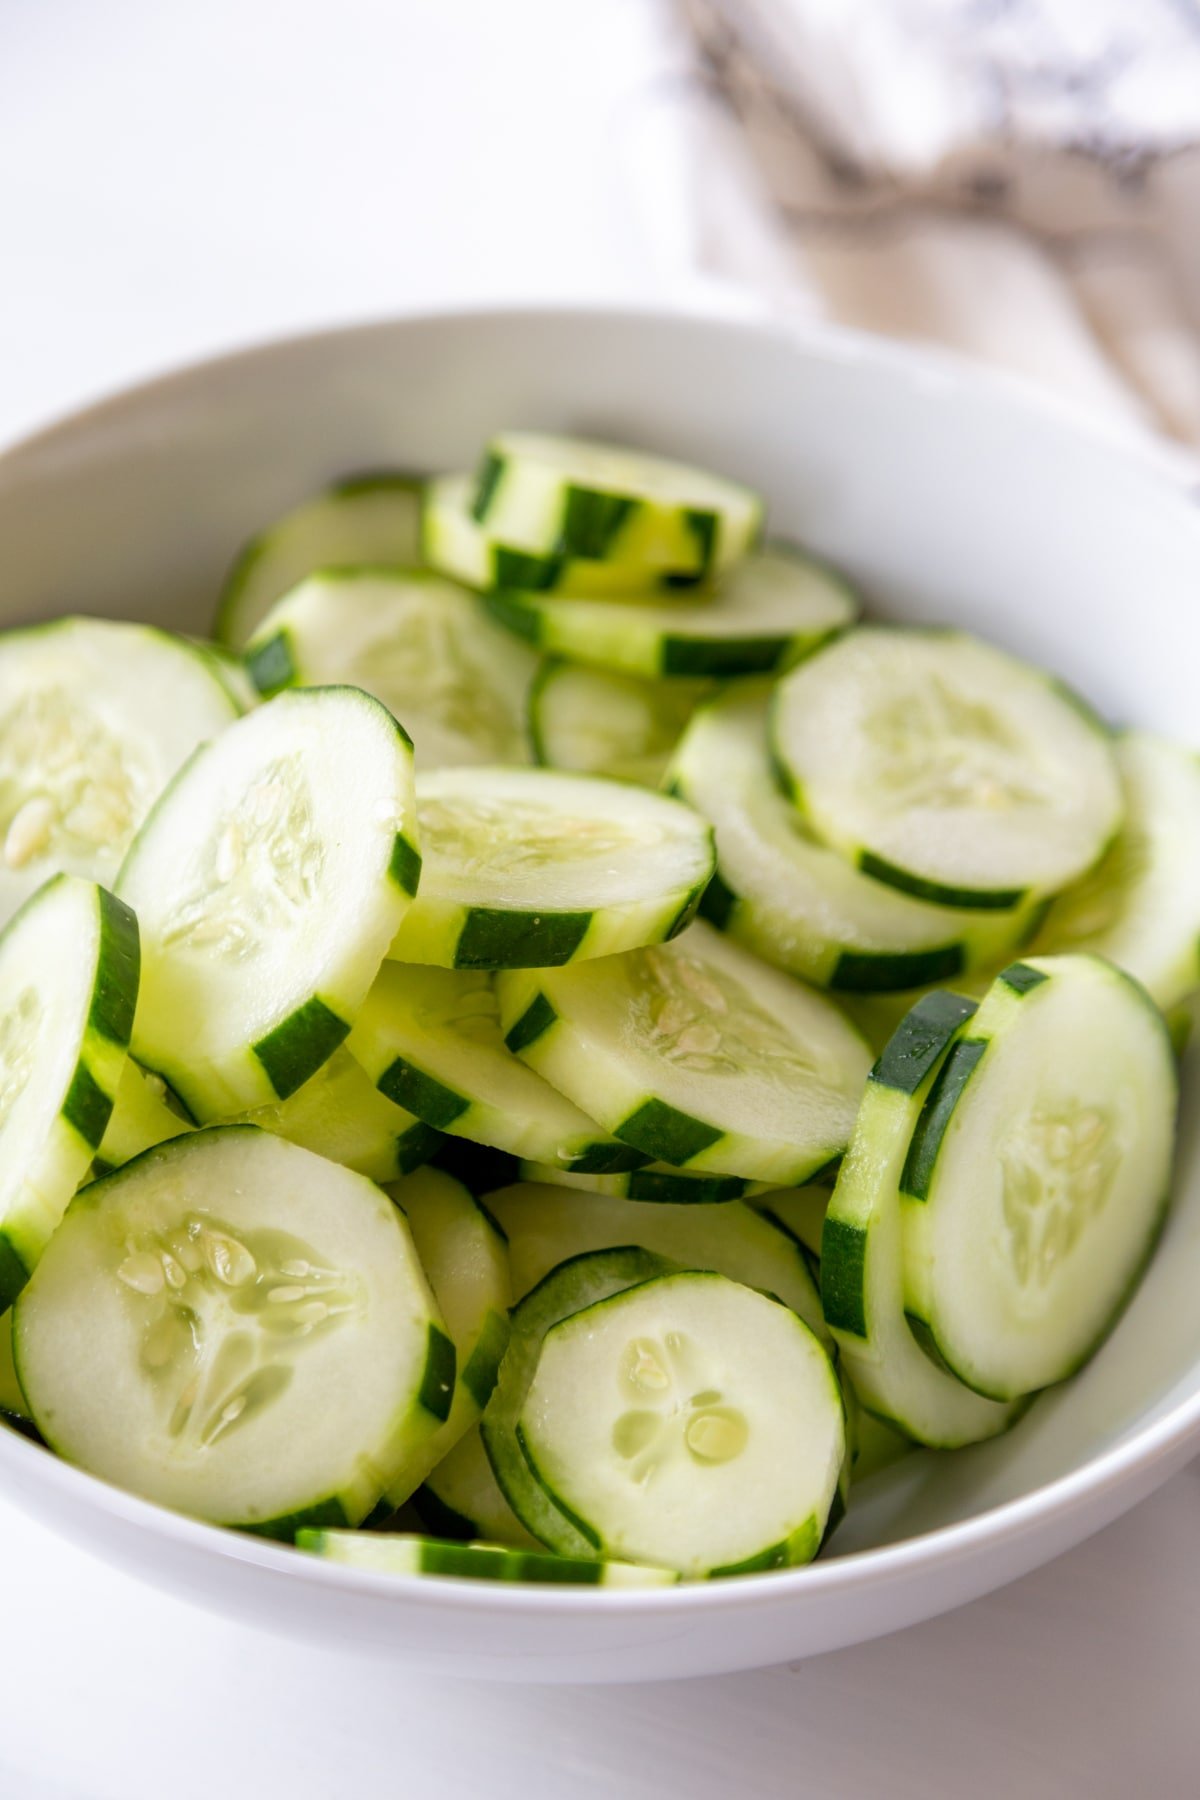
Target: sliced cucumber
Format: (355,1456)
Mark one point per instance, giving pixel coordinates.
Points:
(946,768)
(339,1113)
(767,613)
(13,1403)
(95,718)
(238,1329)
(799,905)
(466,1264)
(568,1288)
(594,722)
(387,1553)
(68,988)
(696,1054)
(688,1422)
(529,867)
(799,1211)
(461,1498)
(546,1226)
(453,541)
(1140,906)
(268,881)
(568,496)
(141,1117)
(423,646)
(430,1040)
(658,1183)
(1038,1173)
(366,519)
(862,1270)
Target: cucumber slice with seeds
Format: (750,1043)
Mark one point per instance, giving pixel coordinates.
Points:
(770,611)
(1140,906)
(525,868)
(385,1553)
(466,1264)
(453,541)
(697,1054)
(572,497)
(688,1422)
(802,906)
(68,988)
(141,1117)
(461,1498)
(1038,1173)
(340,1114)
(364,519)
(546,1226)
(268,882)
(95,718)
(862,1265)
(945,767)
(423,646)
(430,1040)
(656,1183)
(237,1329)
(593,722)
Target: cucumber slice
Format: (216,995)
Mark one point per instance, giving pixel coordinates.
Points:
(95,718)
(454,542)
(1140,906)
(946,768)
(456,681)
(430,1040)
(466,1264)
(237,1329)
(13,1403)
(770,611)
(862,1273)
(656,1183)
(268,882)
(798,1211)
(801,906)
(546,1226)
(568,496)
(68,988)
(529,867)
(567,1289)
(386,1553)
(340,1114)
(688,1422)
(140,1118)
(593,722)
(1038,1173)
(461,1498)
(365,519)
(696,1054)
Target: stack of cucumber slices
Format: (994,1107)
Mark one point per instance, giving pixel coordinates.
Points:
(438,1122)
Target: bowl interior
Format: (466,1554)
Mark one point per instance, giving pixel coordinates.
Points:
(944,496)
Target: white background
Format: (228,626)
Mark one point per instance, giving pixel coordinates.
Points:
(175,178)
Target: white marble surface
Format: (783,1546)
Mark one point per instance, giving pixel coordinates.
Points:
(175,179)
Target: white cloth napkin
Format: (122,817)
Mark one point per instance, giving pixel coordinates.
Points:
(1018,179)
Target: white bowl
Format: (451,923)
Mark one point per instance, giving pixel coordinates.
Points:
(948,496)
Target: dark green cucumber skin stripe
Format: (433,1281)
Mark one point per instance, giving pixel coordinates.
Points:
(717,902)
(298,1047)
(605,1158)
(13,1273)
(586,1531)
(441,1518)
(686,913)
(667,1134)
(491,470)
(919,1040)
(843,1273)
(420,1094)
(436,1392)
(593,521)
(970,899)
(405,865)
(271,667)
(779,1556)
(483,1365)
(417,1146)
(494,938)
(722,656)
(683,1190)
(87,1108)
(508,610)
(703,525)
(538,1017)
(944,1096)
(1020,977)
(324,1515)
(865,972)
(929,1344)
(118,970)
(522,570)
(497,1564)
